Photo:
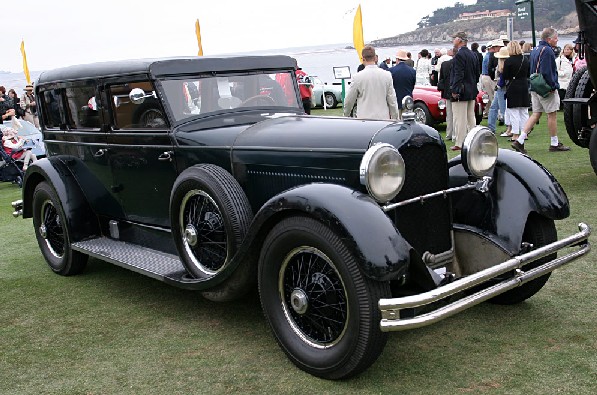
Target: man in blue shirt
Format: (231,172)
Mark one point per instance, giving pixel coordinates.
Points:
(403,78)
(543,61)
(487,80)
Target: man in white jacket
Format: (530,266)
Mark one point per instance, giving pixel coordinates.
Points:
(372,91)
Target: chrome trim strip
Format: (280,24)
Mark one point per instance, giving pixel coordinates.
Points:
(390,308)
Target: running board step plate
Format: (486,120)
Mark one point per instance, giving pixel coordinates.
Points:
(152,263)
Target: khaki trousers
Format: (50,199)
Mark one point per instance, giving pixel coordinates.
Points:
(463,113)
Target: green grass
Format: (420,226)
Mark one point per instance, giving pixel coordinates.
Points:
(112,331)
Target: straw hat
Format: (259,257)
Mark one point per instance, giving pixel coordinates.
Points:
(503,53)
(28,87)
(497,43)
(401,55)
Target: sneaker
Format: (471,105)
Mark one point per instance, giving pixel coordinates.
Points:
(559,147)
(518,147)
(455,148)
(506,134)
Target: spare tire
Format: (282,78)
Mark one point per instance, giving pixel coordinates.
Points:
(576,116)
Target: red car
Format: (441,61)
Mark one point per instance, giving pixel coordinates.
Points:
(430,107)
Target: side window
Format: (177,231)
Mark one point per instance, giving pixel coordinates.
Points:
(128,115)
(83,112)
(53,108)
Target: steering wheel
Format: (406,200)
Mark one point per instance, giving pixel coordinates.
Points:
(253,100)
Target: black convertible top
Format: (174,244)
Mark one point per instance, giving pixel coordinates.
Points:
(167,66)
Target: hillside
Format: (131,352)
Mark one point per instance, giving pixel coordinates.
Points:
(481,30)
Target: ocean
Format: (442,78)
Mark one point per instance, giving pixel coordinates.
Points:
(315,60)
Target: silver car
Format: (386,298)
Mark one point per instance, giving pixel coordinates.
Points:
(333,93)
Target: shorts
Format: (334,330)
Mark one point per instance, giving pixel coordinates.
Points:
(548,104)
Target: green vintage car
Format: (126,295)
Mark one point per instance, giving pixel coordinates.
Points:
(205,173)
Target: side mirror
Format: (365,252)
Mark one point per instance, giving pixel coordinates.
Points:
(138,95)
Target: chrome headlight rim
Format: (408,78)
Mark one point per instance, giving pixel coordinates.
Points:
(408,103)
(479,140)
(441,104)
(485,98)
(367,167)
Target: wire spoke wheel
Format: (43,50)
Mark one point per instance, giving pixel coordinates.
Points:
(314,297)
(51,229)
(205,238)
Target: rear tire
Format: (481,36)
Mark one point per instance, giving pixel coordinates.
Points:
(52,233)
(330,100)
(321,309)
(538,231)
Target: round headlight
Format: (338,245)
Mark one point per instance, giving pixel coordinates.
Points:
(408,103)
(382,171)
(441,104)
(479,151)
(485,98)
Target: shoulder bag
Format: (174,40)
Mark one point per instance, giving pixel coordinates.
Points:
(538,83)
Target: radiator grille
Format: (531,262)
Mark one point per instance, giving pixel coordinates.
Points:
(426,226)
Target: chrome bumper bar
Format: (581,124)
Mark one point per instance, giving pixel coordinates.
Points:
(390,308)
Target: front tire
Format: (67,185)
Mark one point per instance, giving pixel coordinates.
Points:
(52,233)
(321,309)
(422,114)
(538,231)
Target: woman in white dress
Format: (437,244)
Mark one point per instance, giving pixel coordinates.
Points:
(424,68)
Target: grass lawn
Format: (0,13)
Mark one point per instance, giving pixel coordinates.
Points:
(112,331)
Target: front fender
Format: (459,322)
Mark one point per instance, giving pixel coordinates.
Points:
(368,232)
(80,219)
(520,185)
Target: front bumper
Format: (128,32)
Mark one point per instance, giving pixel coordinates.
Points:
(390,308)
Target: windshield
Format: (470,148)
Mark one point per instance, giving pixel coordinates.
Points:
(193,96)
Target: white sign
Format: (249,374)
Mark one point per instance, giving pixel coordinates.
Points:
(342,73)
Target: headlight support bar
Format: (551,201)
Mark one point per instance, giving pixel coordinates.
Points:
(481,185)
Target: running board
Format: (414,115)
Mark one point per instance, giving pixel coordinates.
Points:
(152,263)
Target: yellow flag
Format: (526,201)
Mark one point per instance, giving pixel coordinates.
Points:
(198,33)
(357,33)
(25,67)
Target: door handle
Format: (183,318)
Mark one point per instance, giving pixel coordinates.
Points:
(100,153)
(166,156)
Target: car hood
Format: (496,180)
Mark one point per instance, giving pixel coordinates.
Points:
(300,133)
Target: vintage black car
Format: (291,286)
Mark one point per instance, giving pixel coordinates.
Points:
(205,173)
(580,105)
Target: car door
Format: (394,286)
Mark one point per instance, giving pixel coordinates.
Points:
(140,153)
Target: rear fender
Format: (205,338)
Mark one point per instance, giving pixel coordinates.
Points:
(81,220)
(519,186)
(368,232)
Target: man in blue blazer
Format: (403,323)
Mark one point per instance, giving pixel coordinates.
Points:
(403,77)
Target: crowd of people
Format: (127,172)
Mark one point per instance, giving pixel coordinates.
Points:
(501,68)
(13,108)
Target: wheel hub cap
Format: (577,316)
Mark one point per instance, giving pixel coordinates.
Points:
(190,234)
(43,232)
(299,301)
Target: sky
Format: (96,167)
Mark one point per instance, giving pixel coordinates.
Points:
(66,32)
